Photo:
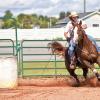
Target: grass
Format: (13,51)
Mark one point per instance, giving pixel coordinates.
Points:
(44,68)
(47,69)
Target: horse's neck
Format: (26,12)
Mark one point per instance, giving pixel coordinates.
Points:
(87,44)
(86,41)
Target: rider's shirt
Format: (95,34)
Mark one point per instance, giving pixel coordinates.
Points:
(69,29)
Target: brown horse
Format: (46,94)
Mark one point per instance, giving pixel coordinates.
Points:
(58,48)
(86,50)
(86,54)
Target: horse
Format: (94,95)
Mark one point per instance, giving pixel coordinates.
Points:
(86,54)
(59,49)
(86,51)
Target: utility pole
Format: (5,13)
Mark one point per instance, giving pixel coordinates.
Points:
(84,6)
(50,23)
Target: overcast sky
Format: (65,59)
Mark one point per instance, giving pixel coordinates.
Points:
(46,7)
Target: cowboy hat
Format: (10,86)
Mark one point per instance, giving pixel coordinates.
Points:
(73,14)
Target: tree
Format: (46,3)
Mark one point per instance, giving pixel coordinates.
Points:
(43,21)
(8,21)
(53,21)
(8,14)
(35,19)
(68,13)
(20,20)
(25,21)
(62,15)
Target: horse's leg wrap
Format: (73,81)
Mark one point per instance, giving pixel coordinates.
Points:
(94,71)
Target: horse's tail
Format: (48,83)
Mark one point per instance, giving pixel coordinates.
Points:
(57,48)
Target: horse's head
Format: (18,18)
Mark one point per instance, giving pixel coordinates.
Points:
(79,31)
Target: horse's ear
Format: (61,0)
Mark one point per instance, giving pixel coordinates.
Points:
(80,23)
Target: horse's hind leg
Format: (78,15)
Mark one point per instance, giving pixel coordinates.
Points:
(89,65)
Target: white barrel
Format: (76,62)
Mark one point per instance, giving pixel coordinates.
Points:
(8,72)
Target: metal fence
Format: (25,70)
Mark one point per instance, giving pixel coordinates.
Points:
(37,60)
(34,58)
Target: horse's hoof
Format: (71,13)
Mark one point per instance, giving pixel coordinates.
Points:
(76,85)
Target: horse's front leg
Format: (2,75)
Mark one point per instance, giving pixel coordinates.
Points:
(72,73)
(89,65)
(85,72)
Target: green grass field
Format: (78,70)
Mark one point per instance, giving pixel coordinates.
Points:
(47,69)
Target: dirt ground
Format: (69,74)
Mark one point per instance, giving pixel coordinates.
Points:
(52,89)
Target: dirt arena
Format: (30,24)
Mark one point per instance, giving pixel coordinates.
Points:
(52,89)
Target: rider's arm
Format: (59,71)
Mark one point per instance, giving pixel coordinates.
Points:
(67,30)
(84,25)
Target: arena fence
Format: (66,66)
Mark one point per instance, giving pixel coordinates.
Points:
(34,58)
(37,57)
(37,60)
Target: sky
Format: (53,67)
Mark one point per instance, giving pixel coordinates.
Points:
(46,7)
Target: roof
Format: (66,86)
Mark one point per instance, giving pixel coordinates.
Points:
(91,14)
(83,16)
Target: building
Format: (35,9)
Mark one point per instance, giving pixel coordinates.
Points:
(91,18)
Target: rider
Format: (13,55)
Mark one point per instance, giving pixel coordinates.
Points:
(71,37)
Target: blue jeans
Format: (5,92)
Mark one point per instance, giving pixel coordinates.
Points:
(71,49)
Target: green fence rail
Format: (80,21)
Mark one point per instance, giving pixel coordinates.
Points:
(34,64)
(6,44)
